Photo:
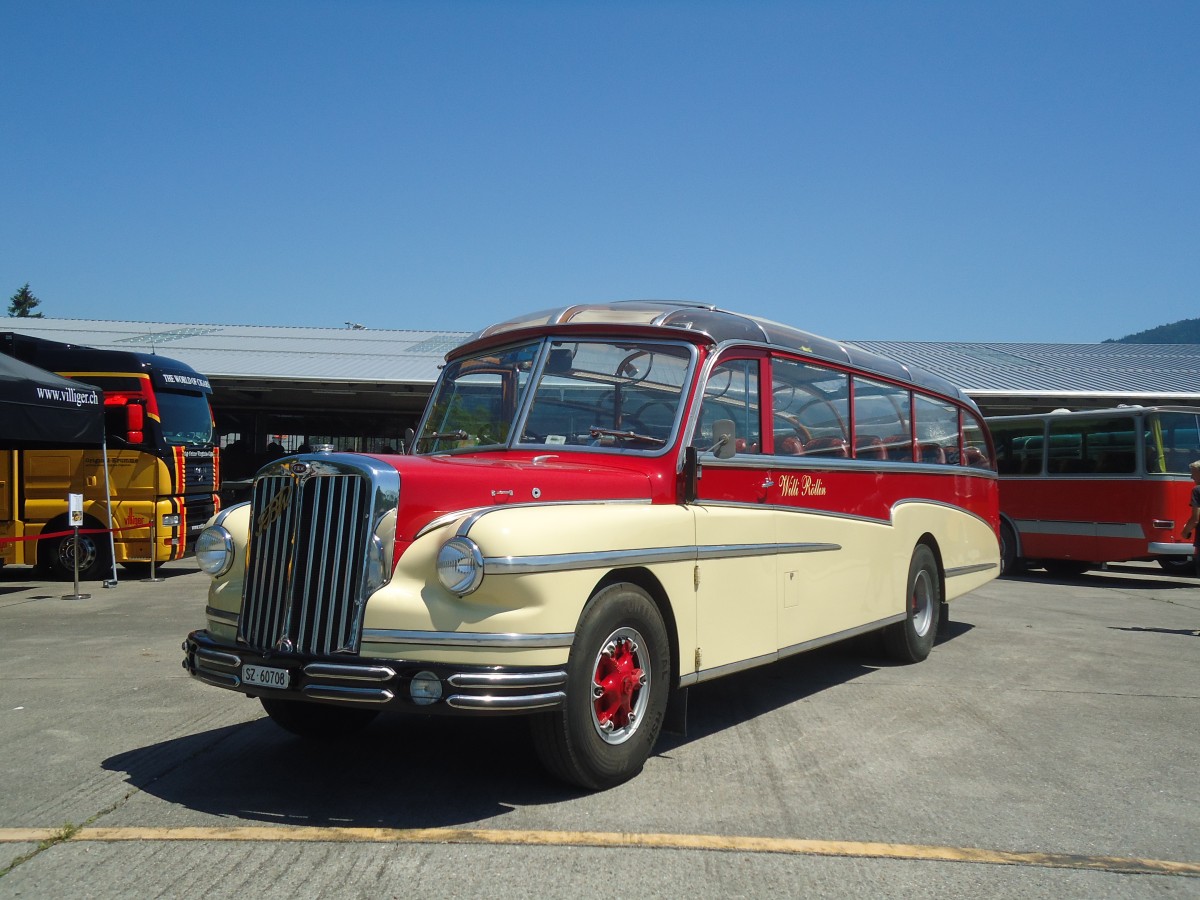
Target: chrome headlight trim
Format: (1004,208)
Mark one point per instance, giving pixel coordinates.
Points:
(460,565)
(214,551)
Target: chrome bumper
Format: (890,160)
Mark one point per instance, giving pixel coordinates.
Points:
(374,682)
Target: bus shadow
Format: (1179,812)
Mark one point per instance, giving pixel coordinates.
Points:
(1126,579)
(1189,632)
(735,699)
(428,771)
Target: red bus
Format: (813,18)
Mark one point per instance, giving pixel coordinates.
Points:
(1078,489)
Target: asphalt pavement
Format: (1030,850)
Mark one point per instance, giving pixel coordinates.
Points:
(1049,747)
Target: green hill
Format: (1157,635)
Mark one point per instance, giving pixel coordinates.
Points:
(1186,331)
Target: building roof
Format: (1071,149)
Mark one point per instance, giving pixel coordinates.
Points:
(1028,374)
(1113,371)
(276,353)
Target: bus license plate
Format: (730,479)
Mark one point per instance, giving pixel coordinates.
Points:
(264,676)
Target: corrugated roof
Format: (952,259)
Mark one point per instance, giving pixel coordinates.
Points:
(983,369)
(412,357)
(265,351)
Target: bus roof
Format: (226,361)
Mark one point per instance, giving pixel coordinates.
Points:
(55,356)
(716,326)
(1128,410)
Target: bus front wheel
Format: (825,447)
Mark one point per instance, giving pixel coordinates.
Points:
(911,640)
(58,558)
(618,675)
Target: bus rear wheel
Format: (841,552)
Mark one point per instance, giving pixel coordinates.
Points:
(1178,565)
(911,641)
(618,675)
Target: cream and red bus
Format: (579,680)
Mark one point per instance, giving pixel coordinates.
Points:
(603,505)
(152,487)
(1078,489)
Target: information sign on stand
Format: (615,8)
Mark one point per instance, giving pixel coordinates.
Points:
(75,520)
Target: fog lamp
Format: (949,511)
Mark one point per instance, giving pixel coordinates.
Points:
(425,688)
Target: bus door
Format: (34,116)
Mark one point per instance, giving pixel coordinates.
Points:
(735,530)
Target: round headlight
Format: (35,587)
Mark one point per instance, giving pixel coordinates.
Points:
(214,550)
(460,565)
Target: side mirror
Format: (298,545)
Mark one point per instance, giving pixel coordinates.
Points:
(724,444)
(135,423)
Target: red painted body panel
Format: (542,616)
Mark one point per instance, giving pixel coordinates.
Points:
(1079,505)
(433,486)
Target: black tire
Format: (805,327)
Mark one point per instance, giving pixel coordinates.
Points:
(911,640)
(1065,568)
(618,680)
(1178,565)
(1010,563)
(57,557)
(317,721)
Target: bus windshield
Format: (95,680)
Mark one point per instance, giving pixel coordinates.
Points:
(186,419)
(618,395)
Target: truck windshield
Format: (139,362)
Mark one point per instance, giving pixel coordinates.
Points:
(186,418)
(621,395)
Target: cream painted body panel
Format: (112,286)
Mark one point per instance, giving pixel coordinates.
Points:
(744,608)
(736,618)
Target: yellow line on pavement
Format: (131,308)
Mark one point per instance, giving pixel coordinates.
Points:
(724,843)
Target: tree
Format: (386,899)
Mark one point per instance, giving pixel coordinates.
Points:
(22,303)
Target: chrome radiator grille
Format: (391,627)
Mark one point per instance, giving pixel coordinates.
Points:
(311,530)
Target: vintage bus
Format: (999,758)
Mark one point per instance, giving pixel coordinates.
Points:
(1078,489)
(603,505)
(157,478)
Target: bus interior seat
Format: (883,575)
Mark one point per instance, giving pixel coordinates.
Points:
(898,447)
(827,446)
(869,446)
(932,453)
(789,445)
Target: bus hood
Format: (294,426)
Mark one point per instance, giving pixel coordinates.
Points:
(436,486)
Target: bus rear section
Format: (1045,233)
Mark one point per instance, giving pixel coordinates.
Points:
(1080,489)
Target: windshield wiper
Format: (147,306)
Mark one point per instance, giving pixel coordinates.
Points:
(626,435)
(458,435)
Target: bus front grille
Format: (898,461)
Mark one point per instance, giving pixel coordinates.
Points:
(308,547)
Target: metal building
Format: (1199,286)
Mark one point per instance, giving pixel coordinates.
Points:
(359,388)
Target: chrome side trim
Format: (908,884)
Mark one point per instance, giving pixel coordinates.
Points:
(465,528)
(562,562)
(508,641)
(506,679)
(350,673)
(508,704)
(348,694)
(221,615)
(970,570)
(1086,529)
(767,658)
(217,678)
(442,520)
(216,658)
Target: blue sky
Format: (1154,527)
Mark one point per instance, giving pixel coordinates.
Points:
(961,171)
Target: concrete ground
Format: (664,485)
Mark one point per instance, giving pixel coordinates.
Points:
(1049,747)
